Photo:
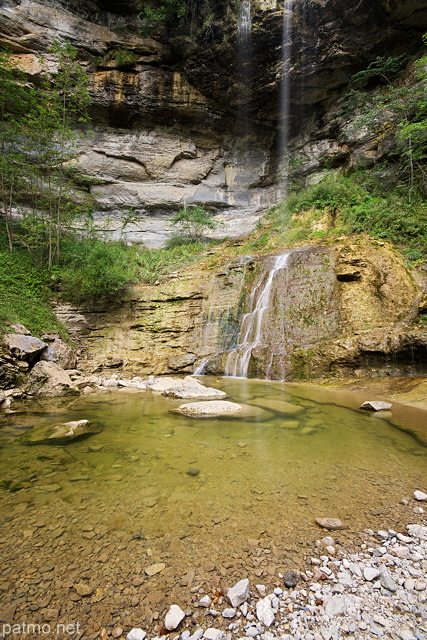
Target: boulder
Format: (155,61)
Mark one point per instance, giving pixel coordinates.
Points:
(9,373)
(60,353)
(48,379)
(24,347)
(376,405)
(187,387)
(208,409)
(60,433)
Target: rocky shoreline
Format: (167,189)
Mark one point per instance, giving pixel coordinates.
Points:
(380,591)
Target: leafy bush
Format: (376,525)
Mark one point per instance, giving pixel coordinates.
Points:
(358,204)
(24,293)
(95,269)
(193,223)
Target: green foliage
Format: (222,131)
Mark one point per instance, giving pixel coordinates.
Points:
(193,13)
(355,204)
(24,293)
(37,140)
(122,58)
(93,269)
(390,108)
(381,70)
(154,263)
(193,223)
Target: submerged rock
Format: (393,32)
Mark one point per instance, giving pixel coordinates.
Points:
(60,433)
(48,379)
(187,387)
(209,408)
(331,523)
(376,405)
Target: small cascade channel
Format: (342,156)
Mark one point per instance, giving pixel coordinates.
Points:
(251,327)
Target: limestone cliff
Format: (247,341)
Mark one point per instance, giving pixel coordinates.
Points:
(165,126)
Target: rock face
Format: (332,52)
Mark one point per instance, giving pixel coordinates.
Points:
(319,324)
(169,127)
(48,379)
(60,433)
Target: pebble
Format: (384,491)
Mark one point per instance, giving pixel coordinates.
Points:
(238,594)
(136,634)
(174,617)
(214,634)
(229,613)
(330,523)
(290,579)
(265,612)
(370,573)
(420,496)
(154,568)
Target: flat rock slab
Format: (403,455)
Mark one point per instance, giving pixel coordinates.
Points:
(278,406)
(60,433)
(376,405)
(333,524)
(209,408)
(187,387)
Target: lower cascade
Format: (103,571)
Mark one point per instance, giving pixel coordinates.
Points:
(252,326)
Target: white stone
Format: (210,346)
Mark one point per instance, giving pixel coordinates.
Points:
(136,634)
(173,617)
(229,613)
(214,634)
(335,606)
(239,593)
(417,531)
(420,496)
(208,408)
(206,601)
(376,405)
(264,612)
(370,573)
(196,635)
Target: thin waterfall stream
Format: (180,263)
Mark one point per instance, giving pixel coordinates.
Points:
(251,327)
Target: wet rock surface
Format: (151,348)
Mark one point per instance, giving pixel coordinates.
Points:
(60,433)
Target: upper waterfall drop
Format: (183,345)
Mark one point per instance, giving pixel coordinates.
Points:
(244,64)
(251,326)
(285,95)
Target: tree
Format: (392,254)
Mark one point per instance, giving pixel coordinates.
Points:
(38,139)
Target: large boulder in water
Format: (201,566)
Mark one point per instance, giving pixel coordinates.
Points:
(185,388)
(24,347)
(60,433)
(208,409)
(48,379)
(60,353)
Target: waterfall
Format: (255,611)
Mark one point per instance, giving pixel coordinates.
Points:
(283,137)
(251,326)
(244,60)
